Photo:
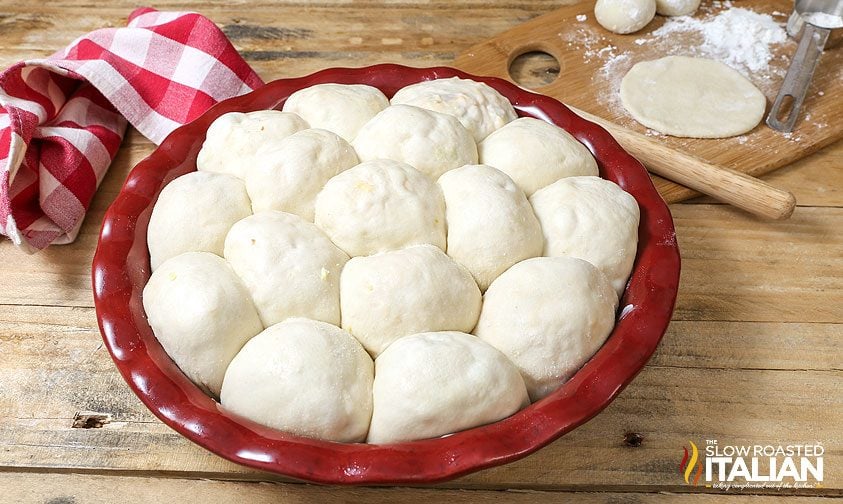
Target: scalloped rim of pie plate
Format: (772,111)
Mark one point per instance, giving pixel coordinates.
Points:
(121,269)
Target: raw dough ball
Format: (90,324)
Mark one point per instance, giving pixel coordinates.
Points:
(593,219)
(194,213)
(536,153)
(234,138)
(201,314)
(429,141)
(289,266)
(624,16)
(381,205)
(394,294)
(491,225)
(341,108)
(478,107)
(677,7)
(692,97)
(549,315)
(436,383)
(289,174)
(305,377)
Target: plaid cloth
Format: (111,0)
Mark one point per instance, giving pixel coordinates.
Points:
(62,118)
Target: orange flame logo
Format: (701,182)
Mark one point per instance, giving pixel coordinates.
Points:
(686,467)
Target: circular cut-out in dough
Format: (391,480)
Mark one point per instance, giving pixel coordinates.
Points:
(535,153)
(341,108)
(305,377)
(381,205)
(393,294)
(201,314)
(233,139)
(477,106)
(288,265)
(194,213)
(593,219)
(436,383)
(677,7)
(624,16)
(287,175)
(549,315)
(431,142)
(692,97)
(491,225)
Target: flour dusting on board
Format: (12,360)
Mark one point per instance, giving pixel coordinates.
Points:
(746,40)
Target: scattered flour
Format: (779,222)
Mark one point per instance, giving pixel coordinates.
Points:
(738,37)
(582,18)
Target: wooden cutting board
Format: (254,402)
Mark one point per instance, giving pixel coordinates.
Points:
(593,61)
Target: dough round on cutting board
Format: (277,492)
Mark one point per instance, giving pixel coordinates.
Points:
(691,97)
(233,139)
(491,225)
(593,219)
(624,16)
(194,213)
(305,377)
(431,142)
(549,315)
(477,106)
(535,153)
(436,383)
(677,7)
(381,205)
(341,108)
(289,266)
(201,314)
(288,175)
(393,294)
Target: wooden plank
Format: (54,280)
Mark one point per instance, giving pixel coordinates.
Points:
(26,488)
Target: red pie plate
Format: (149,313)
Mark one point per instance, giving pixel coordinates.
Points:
(121,269)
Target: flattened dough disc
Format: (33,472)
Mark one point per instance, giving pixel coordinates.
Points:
(692,97)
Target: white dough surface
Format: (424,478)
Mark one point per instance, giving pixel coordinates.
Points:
(435,383)
(341,108)
(305,377)
(692,97)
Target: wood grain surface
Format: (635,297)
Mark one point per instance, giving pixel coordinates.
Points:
(753,353)
(589,63)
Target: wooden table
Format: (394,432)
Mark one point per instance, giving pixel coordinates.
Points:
(753,354)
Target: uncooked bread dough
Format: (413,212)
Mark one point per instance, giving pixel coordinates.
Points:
(549,315)
(201,314)
(692,97)
(341,108)
(491,225)
(288,175)
(394,294)
(289,266)
(677,7)
(624,16)
(436,383)
(381,205)
(536,153)
(593,219)
(478,107)
(305,377)
(194,213)
(233,139)
(431,142)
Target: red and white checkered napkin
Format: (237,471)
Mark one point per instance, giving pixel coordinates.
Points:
(63,117)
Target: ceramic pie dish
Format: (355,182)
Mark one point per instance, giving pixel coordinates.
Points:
(121,269)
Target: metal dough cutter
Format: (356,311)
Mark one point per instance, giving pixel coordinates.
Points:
(814,19)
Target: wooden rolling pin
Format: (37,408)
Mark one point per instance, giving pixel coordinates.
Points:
(724,184)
